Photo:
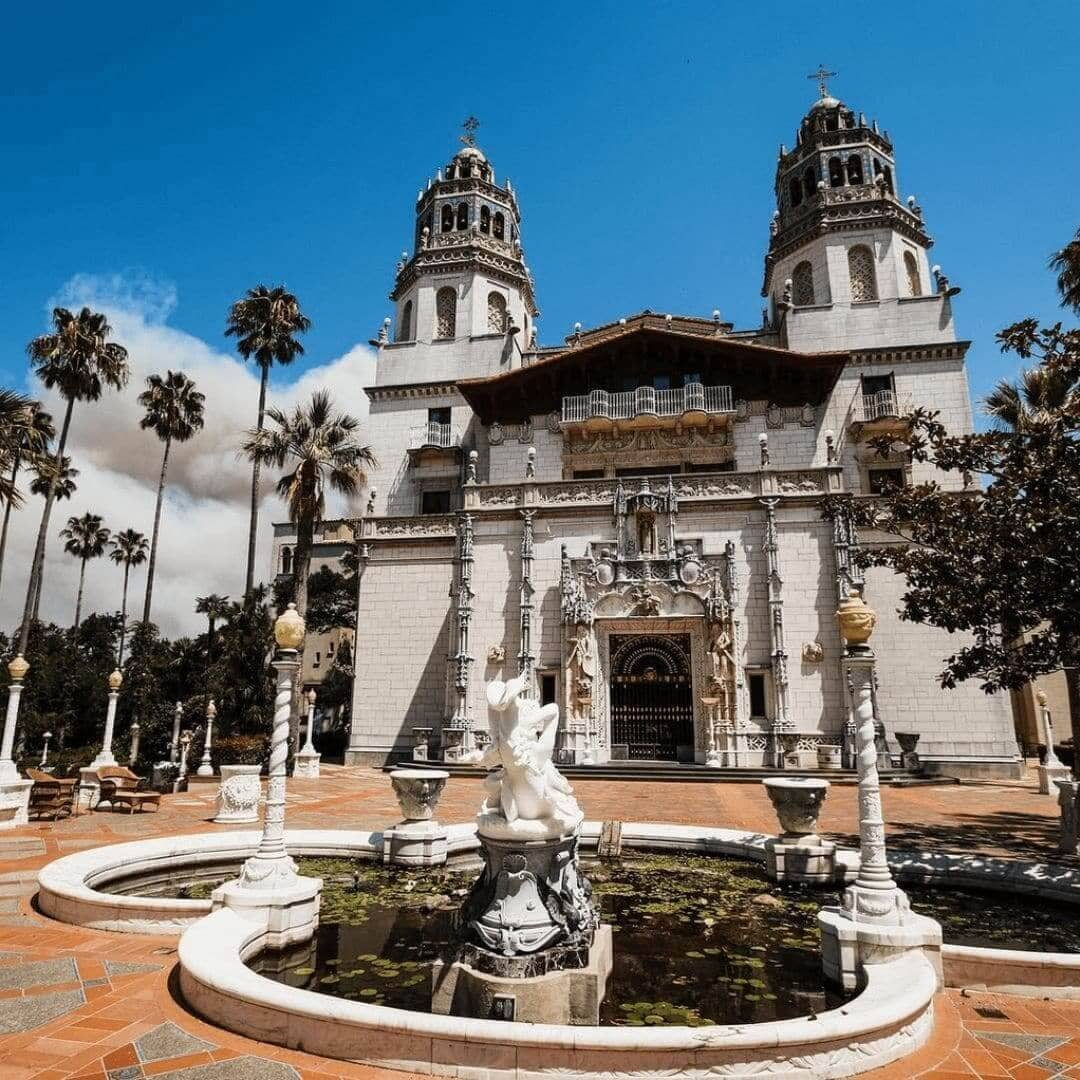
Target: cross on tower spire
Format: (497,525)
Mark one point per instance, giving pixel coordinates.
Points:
(469,127)
(821,75)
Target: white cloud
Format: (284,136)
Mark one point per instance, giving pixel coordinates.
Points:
(203,545)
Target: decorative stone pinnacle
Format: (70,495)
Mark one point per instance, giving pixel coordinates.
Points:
(311,696)
(289,629)
(18,668)
(116,680)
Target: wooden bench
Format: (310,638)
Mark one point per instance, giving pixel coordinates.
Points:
(50,795)
(121,787)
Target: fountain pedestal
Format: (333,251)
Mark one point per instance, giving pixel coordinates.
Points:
(798,853)
(418,840)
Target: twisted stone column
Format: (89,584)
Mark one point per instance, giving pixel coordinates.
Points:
(17,669)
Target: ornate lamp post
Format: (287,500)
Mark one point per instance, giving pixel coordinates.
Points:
(17,669)
(45,750)
(875,923)
(206,767)
(174,745)
(307,760)
(105,757)
(181,776)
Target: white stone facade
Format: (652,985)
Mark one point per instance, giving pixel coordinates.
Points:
(496,496)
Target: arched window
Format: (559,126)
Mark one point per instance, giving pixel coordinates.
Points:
(809,181)
(496,313)
(447,218)
(836,172)
(485,219)
(286,560)
(445,313)
(463,216)
(404,329)
(854,169)
(887,173)
(802,285)
(861,273)
(911,268)
(498,225)
(795,189)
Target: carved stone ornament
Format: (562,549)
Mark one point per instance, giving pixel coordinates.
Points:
(496,654)
(856,619)
(813,652)
(495,434)
(797,803)
(238,795)
(417,791)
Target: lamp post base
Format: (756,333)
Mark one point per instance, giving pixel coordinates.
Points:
(289,911)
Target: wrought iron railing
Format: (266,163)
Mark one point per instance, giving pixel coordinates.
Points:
(883,405)
(647,401)
(432,434)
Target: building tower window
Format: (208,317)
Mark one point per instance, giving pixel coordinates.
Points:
(445,313)
(861,274)
(286,560)
(795,187)
(447,224)
(854,169)
(911,268)
(496,312)
(836,172)
(498,226)
(810,182)
(463,216)
(485,219)
(802,282)
(405,324)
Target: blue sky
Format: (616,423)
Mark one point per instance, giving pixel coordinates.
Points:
(201,153)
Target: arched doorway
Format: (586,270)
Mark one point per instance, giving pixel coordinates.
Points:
(652,710)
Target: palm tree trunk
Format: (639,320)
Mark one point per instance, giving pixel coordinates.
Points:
(210,640)
(7,514)
(154,540)
(38,563)
(123,616)
(78,598)
(253,527)
(37,594)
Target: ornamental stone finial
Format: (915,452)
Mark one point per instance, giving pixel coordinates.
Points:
(856,618)
(116,680)
(289,629)
(17,668)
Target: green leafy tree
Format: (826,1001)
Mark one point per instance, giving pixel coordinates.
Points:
(25,432)
(77,359)
(266,323)
(129,549)
(174,412)
(1066,264)
(319,448)
(86,538)
(215,608)
(331,599)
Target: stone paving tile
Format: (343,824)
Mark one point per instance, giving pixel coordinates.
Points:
(169,1041)
(38,973)
(24,1013)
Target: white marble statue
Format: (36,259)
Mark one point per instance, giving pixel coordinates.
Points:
(526,796)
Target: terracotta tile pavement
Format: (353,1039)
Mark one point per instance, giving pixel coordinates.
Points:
(121,1019)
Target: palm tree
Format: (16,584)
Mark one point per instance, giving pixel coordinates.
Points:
(174,411)
(214,607)
(1039,393)
(321,448)
(265,323)
(44,467)
(85,538)
(27,431)
(79,361)
(1066,264)
(128,550)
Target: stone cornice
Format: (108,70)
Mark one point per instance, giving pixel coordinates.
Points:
(400,391)
(911,354)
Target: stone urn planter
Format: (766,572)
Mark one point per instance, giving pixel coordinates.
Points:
(797,803)
(418,791)
(238,795)
(419,840)
(908,741)
(799,854)
(828,756)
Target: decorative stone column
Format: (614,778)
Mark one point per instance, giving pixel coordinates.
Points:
(799,854)
(14,791)
(134,755)
(206,766)
(1069,801)
(174,745)
(419,840)
(45,750)
(875,923)
(269,889)
(1051,769)
(238,795)
(181,774)
(713,755)
(105,756)
(306,763)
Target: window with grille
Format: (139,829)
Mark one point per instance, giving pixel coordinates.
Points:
(435,502)
(496,313)
(445,313)
(882,481)
(802,285)
(861,274)
(911,269)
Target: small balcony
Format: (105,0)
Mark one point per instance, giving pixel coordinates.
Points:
(882,413)
(434,437)
(692,405)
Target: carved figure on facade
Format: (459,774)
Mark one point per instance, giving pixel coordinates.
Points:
(644,601)
(813,652)
(581,666)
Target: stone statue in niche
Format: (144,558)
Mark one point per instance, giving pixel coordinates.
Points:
(526,796)
(646,532)
(581,663)
(721,658)
(644,602)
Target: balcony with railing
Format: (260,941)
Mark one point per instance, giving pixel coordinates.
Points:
(692,405)
(434,436)
(880,413)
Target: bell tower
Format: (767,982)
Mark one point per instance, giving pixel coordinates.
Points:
(466,277)
(847,264)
